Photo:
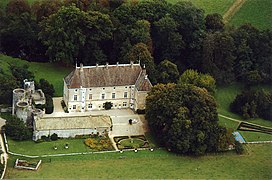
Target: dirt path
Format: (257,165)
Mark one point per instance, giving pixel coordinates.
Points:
(232,10)
(237,120)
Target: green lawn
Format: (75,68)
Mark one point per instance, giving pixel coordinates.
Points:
(256,12)
(54,73)
(256,164)
(44,148)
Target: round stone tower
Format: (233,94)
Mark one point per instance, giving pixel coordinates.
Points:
(18,95)
(22,110)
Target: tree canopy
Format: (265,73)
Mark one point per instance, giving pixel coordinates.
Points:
(184,118)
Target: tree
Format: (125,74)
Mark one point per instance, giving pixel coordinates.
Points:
(253,104)
(184,118)
(107,105)
(168,72)
(8,83)
(45,8)
(218,57)
(46,87)
(198,79)
(167,40)
(63,35)
(21,73)
(49,106)
(214,22)
(17,129)
(17,7)
(140,53)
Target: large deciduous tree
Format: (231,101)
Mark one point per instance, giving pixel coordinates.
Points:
(70,31)
(184,118)
(218,57)
(168,72)
(198,79)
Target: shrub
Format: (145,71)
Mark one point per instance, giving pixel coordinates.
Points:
(54,137)
(239,147)
(17,129)
(49,106)
(107,105)
(140,111)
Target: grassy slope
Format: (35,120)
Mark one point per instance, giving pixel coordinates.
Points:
(158,164)
(256,12)
(51,72)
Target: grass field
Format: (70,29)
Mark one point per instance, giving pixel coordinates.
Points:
(49,71)
(44,148)
(256,164)
(256,12)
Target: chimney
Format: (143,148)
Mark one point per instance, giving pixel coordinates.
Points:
(131,63)
(107,65)
(96,65)
(117,63)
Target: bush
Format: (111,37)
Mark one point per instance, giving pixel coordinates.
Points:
(49,106)
(17,129)
(140,111)
(107,105)
(239,147)
(54,137)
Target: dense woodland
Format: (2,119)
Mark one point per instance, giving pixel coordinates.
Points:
(90,32)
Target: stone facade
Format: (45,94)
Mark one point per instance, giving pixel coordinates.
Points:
(22,105)
(89,87)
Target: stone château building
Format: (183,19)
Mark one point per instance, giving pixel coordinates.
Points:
(87,88)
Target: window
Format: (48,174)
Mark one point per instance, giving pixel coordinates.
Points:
(113,95)
(103,88)
(90,106)
(74,106)
(125,94)
(113,87)
(125,104)
(75,97)
(75,90)
(90,96)
(103,96)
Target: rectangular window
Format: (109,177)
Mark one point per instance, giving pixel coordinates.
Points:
(103,96)
(74,106)
(125,94)
(75,97)
(113,95)
(125,104)
(90,96)
(90,106)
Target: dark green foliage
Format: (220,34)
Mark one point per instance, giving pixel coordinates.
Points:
(17,129)
(8,83)
(184,119)
(168,72)
(64,107)
(54,137)
(49,106)
(21,73)
(140,111)
(252,104)
(214,22)
(2,166)
(46,87)
(107,105)
(239,147)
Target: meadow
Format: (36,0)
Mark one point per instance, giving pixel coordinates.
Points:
(256,12)
(54,73)
(160,164)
